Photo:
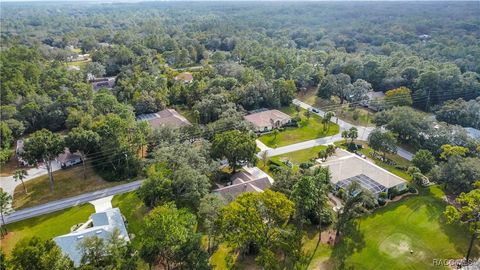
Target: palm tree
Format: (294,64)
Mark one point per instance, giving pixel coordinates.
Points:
(20,175)
(275,133)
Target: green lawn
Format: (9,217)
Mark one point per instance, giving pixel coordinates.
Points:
(308,129)
(46,226)
(133,210)
(300,156)
(384,239)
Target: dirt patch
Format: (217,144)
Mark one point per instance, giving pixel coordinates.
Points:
(328,237)
(396,245)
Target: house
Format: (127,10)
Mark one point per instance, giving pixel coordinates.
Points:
(68,159)
(373,100)
(165,117)
(101,224)
(245,181)
(185,77)
(268,120)
(99,83)
(346,168)
(79,57)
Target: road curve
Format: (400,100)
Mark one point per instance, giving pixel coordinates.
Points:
(69,202)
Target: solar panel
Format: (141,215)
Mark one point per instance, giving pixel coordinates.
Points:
(364,181)
(147,116)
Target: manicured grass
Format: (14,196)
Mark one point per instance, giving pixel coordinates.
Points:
(300,156)
(384,239)
(308,129)
(133,210)
(46,226)
(68,183)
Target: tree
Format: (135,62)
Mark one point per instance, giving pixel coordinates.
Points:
(5,208)
(310,195)
(275,134)
(468,213)
(351,134)
(20,175)
(398,97)
(189,186)
(449,151)
(359,91)
(382,141)
(285,180)
(36,254)
(96,69)
(237,147)
(259,221)
(165,233)
(457,173)
(264,157)
(114,252)
(326,120)
(335,84)
(424,160)
(6,137)
(355,200)
(83,141)
(157,189)
(308,114)
(208,213)
(43,146)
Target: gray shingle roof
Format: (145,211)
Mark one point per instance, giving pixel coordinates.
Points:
(104,223)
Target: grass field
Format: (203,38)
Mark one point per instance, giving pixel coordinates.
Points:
(133,210)
(46,226)
(308,129)
(385,238)
(68,183)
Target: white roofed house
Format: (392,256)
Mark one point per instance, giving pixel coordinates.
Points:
(347,168)
(101,224)
(166,117)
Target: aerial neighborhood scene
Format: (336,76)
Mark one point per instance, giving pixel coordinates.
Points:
(276,135)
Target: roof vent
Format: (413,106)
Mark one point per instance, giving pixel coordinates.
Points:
(99,231)
(79,237)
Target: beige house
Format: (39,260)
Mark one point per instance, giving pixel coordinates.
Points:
(165,117)
(346,168)
(268,120)
(245,181)
(185,77)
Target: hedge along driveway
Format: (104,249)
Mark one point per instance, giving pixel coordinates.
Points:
(308,129)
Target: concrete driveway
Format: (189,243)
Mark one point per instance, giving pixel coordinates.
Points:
(8,184)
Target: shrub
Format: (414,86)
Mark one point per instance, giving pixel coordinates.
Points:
(412,189)
(381,201)
(305,165)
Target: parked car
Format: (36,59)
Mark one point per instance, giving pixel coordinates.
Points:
(315,110)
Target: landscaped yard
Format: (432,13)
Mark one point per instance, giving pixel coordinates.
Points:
(133,210)
(46,226)
(386,238)
(308,129)
(68,183)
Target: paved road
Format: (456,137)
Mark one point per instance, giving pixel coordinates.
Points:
(363,133)
(69,202)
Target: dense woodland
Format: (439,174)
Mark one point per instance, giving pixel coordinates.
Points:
(243,57)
